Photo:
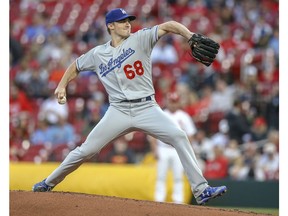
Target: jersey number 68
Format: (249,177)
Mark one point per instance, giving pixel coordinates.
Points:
(131,71)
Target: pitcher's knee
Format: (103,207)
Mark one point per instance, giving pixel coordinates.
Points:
(178,137)
(84,153)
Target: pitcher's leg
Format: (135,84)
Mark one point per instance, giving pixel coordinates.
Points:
(111,126)
(159,125)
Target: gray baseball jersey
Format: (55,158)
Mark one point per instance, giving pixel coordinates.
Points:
(125,71)
(126,74)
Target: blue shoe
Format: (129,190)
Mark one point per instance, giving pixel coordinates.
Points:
(209,193)
(42,187)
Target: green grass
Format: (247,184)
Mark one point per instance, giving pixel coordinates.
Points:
(274,212)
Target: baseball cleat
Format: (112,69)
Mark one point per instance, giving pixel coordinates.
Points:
(42,187)
(209,193)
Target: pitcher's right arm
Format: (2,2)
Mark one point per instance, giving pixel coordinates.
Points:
(70,74)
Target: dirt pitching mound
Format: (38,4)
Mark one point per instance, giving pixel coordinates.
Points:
(26,203)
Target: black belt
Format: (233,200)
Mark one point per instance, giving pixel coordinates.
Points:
(138,100)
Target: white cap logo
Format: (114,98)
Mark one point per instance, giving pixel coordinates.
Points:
(123,11)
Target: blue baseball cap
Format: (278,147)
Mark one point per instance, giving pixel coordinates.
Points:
(117,15)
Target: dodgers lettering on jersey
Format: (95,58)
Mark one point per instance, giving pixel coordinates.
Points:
(126,70)
(113,63)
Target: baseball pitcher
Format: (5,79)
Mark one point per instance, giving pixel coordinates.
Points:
(123,65)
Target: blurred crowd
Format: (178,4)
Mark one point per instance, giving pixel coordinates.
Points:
(234,103)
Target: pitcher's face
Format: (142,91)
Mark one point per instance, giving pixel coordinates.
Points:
(122,28)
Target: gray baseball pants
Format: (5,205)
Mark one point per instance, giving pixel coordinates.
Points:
(122,118)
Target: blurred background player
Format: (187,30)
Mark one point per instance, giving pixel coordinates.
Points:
(166,155)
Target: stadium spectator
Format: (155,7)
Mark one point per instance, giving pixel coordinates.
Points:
(36,85)
(42,135)
(57,48)
(239,170)
(35,30)
(222,97)
(267,167)
(261,32)
(232,151)
(239,125)
(272,110)
(251,155)
(268,81)
(15,50)
(53,136)
(203,145)
(121,152)
(21,121)
(63,133)
(21,128)
(273,137)
(23,72)
(18,101)
(274,43)
(198,106)
(221,138)
(217,166)
(259,130)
